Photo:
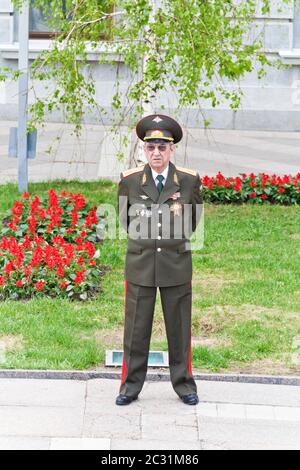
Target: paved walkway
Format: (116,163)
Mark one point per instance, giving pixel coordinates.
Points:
(60,155)
(67,414)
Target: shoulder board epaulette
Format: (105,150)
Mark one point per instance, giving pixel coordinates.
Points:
(186,170)
(132,171)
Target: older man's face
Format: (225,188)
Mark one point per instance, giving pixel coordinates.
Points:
(158,154)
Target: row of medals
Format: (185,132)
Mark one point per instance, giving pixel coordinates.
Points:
(175,207)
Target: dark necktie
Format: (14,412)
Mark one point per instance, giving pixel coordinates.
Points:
(160,185)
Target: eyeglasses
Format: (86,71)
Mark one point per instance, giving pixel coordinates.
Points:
(151,147)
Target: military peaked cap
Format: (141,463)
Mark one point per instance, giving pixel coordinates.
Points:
(158,127)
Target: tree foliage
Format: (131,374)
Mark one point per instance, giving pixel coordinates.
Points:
(193,48)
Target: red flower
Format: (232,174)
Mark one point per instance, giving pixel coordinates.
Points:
(286,179)
(80,276)
(37,257)
(60,272)
(12,226)
(27,242)
(38,240)
(63,285)
(74,216)
(264,196)
(40,285)
(41,214)
(27,271)
(17,208)
(281,190)
(80,260)
(53,198)
(19,284)
(26,195)
(34,205)
(79,201)
(252,195)
(91,218)
(2,281)
(69,251)
(9,267)
(32,224)
(58,240)
(89,247)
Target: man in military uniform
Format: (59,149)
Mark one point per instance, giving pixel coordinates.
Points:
(159,207)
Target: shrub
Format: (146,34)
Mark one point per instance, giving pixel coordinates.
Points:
(48,247)
(255,189)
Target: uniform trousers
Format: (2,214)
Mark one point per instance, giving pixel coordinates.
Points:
(139,311)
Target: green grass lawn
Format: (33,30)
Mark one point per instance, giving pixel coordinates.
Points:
(246,297)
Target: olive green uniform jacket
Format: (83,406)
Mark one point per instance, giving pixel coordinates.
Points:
(159,225)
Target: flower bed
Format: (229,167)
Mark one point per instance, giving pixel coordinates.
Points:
(47,247)
(258,189)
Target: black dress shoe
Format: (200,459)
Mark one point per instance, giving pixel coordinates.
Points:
(124,400)
(191,399)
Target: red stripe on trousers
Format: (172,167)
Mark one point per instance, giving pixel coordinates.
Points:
(190,360)
(124,365)
(191,354)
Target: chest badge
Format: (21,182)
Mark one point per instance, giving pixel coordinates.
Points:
(176,208)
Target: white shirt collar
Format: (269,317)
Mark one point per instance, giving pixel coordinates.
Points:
(164,174)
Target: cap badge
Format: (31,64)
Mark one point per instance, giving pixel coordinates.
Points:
(157,119)
(157,135)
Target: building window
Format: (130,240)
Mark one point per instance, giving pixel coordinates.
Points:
(41,26)
(39,23)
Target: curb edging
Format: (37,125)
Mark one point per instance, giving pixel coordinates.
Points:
(90,375)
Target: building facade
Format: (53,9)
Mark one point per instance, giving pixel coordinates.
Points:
(272,103)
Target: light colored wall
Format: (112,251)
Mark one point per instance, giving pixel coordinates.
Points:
(271,103)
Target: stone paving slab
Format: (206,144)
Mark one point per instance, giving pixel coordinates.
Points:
(34,443)
(177,428)
(50,393)
(112,426)
(41,421)
(235,434)
(249,412)
(24,443)
(159,444)
(259,394)
(79,444)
